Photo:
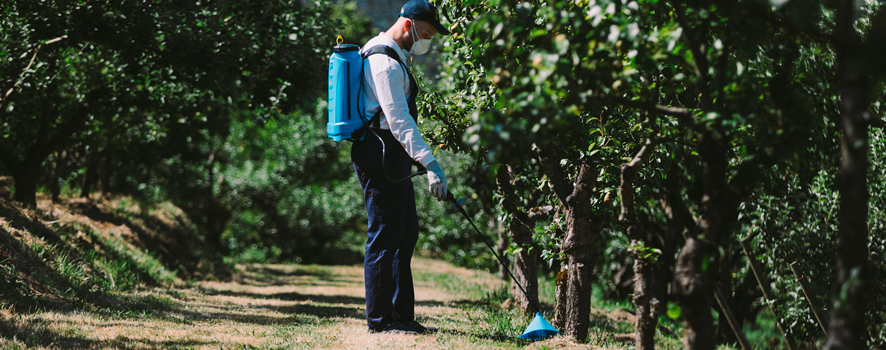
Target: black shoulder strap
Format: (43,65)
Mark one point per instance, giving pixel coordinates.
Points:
(378,49)
(386,50)
(390,52)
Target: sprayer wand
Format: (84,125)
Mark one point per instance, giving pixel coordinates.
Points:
(455,203)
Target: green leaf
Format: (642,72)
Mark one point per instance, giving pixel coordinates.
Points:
(674,311)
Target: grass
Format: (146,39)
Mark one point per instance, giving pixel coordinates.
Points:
(117,294)
(281,307)
(93,257)
(118,268)
(286,306)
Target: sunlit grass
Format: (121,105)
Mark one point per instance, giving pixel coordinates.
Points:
(290,306)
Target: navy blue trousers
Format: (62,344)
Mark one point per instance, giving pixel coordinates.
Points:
(393,228)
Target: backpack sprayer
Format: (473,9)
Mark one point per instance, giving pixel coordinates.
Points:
(345,92)
(345,83)
(346,119)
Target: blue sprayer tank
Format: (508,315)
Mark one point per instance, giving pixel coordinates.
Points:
(345,68)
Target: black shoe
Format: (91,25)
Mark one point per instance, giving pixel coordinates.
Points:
(418,328)
(394,328)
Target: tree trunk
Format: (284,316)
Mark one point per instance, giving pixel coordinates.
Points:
(644,297)
(849,300)
(89,178)
(105,172)
(26,171)
(561,285)
(693,291)
(500,248)
(217,215)
(647,305)
(725,333)
(697,263)
(577,246)
(56,177)
(525,267)
(520,231)
(25,181)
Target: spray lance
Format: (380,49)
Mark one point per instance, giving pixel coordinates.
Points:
(539,328)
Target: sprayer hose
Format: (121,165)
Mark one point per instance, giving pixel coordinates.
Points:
(383,161)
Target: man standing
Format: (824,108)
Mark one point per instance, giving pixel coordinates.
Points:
(390,90)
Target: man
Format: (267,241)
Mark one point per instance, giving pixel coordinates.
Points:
(389,90)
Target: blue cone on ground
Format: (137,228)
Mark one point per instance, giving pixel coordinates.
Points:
(539,329)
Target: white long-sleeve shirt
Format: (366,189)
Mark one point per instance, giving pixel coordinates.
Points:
(386,86)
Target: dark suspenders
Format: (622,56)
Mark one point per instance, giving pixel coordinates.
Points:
(413,90)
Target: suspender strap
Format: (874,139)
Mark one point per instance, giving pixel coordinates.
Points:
(413,87)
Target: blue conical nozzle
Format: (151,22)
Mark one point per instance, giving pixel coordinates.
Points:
(539,329)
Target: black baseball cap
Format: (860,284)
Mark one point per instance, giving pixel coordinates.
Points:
(423,11)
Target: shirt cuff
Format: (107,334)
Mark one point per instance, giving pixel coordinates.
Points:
(426,158)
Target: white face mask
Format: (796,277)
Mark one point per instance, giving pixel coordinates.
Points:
(421,46)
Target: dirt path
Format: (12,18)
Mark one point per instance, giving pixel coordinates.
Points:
(287,307)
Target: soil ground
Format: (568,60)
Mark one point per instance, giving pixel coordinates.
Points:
(287,307)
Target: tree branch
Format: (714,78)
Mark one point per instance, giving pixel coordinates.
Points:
(699,60)
(21,76)
(629,170)
(541,213)
(682,114)
(550,163)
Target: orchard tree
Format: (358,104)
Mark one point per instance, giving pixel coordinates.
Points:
(139,98)
(718,80)
(859,76)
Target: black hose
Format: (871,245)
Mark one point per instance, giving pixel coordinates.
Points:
(452,199)
(383,161)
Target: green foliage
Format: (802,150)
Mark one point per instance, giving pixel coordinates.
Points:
(743,88)
(798,222)
(292,192)
(640,251)
(181,101)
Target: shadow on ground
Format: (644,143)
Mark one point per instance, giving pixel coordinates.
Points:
(68,338)
(294,296)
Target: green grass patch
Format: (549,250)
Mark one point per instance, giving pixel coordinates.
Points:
(132,259)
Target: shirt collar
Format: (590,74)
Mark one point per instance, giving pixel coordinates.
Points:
(387,41)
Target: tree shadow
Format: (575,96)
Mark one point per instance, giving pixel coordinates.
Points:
(42,336)
(293,296)
(454,303)
(608,324)
(26,280)
(173,245)
(277,272)
(501,338)
(321,311)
